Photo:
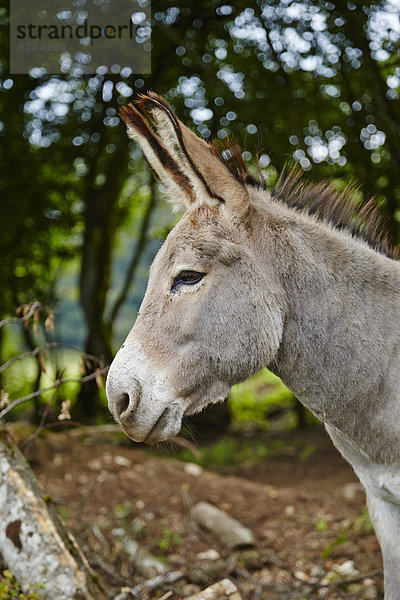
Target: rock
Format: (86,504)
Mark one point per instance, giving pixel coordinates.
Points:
(350,491)
(301,576)
(122,461)
(229,531)
(257,559)
(222,590)
(210,554)
(193,469)
(370,591)
(338,572)
(346,569)
(189,589)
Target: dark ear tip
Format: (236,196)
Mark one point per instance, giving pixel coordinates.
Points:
(145,103)
(130,115)
(150,101)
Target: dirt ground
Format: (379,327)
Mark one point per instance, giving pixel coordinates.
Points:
(306,510)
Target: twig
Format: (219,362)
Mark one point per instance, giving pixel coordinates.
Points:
(45,347)
(356,579)
(149,585)
(155,582)
(108,569)
(166,595)
(35,306)
(35,434)
(55,385)
(99,535)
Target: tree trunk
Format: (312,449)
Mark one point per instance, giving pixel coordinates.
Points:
(100,229)
(37,402)
(34,544)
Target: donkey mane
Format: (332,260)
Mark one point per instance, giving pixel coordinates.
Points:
(341,210)
(363,220)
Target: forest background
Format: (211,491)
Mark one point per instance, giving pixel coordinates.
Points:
(314,83)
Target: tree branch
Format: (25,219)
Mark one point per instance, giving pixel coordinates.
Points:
(33,308)
(55,385)
(43,348)
(137,253)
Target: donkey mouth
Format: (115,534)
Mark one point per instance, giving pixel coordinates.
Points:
(166,426)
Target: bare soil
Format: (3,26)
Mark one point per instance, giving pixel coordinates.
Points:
(306,509)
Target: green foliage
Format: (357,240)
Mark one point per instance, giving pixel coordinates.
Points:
(363,522)
(123,510)
(340,539)
(9,588)
(321,524)
(306,452)
(64,512)
(260,396)
(169,541)
(228,451)
(360,523)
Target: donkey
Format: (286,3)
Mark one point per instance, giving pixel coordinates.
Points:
(247,279)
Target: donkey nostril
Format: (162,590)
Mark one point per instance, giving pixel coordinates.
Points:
(122,404)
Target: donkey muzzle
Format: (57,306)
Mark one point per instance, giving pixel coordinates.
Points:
(139,400)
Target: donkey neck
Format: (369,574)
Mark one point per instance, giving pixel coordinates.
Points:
(342,328)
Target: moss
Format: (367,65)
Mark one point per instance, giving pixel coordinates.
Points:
(9,588)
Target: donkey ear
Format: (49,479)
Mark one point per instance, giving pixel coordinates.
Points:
(177,184)
(212,180)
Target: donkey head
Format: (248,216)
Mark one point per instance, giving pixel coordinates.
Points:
(211,315)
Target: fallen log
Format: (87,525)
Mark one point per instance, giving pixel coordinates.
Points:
(34,543)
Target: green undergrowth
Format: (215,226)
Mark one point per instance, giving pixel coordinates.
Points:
(229,451)
(362,523)
(263,399)
(9,588)
(169,541)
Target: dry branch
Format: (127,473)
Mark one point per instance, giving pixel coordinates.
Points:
(43,348)
(29,311)
(54,385)
(33,542)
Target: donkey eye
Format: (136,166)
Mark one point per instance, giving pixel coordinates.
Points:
(186,278)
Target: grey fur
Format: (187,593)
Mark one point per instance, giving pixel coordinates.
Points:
(282,289)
